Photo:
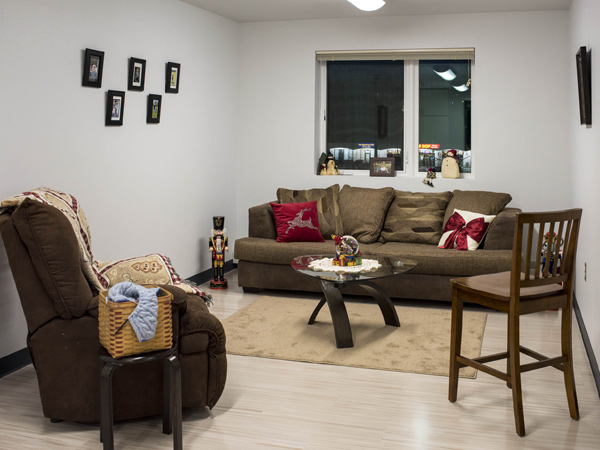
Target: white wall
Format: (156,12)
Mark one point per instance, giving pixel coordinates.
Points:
(520,107)
(585,150)
(243,122)
(144,188)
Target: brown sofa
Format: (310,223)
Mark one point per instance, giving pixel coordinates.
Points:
(61,311)
(386,222)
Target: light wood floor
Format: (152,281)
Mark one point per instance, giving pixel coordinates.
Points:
(270,404)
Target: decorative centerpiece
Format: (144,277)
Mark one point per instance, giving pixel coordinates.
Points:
(347,253)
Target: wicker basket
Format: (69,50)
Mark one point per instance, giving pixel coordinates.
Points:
(124,342)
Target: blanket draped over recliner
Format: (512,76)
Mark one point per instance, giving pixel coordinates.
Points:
(149,269)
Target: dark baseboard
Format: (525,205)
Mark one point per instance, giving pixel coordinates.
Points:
(14,362)
(207,275)
(588,346)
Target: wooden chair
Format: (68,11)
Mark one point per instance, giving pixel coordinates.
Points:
(540,279)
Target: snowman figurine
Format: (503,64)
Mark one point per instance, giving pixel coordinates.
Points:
(450,165)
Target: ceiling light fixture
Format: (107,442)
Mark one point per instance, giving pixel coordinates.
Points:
(461,88)
(447,75)
(367,5)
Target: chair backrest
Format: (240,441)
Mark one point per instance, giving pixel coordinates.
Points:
(545,244)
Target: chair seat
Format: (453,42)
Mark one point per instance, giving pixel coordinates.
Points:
(497,286)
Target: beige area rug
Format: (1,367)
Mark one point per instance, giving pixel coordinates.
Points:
(275,327)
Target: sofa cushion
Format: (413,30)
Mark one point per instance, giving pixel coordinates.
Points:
(363,211)
(330,221)
(482,202)
(270,252)
(54,251)
(297,222)
(451,262)
(465,230)
(415,217)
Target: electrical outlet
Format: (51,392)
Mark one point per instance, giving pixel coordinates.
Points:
(584,271)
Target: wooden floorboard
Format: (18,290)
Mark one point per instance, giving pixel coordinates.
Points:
(271,404)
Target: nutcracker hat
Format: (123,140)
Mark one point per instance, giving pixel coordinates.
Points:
(218,223)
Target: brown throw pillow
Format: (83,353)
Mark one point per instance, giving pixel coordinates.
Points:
(330,221)
(363,211)
(415,217)
(482,202)
(54,252)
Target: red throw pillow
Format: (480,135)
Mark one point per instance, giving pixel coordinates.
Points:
(297,222)
(465,230)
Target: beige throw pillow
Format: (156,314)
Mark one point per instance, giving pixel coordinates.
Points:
(330,221)
(415,217)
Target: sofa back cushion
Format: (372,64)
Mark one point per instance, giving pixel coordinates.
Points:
(482,202)
(363,211)
(415,217)
(328,208)
(54,251)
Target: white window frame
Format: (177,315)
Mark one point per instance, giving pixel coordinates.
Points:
(411,98)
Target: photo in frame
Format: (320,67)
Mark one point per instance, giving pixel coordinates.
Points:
(137,74)
(383,167)
(172,77)
(153,109)
(93,63)
(584,84)
(115,107)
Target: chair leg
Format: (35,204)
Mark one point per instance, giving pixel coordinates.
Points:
(455,343)
(514,355)
(508,381)
(106,406)
(567,350)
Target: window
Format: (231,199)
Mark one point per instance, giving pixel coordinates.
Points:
(363,98)
(444,113)
(413,105)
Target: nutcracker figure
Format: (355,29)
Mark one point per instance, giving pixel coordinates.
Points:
(217,245)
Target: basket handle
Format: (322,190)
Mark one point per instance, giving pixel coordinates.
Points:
(122,325)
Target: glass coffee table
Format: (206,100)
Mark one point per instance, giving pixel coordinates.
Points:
(332,282)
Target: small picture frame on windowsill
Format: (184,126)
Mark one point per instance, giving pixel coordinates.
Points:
(383,167)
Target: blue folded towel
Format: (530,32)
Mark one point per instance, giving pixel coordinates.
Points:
(144,317)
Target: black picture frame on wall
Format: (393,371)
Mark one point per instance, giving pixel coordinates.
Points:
(115,108)
(584,84)
(137,74)
(383,167)
(153,108)
(172,77)
(93,64)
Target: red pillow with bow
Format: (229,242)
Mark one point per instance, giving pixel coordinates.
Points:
(297,222)
(465,230)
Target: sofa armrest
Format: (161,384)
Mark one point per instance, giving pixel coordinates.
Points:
(261,222)
(502,230)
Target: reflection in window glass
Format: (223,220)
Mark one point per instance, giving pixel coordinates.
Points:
(444,113)
(365,112)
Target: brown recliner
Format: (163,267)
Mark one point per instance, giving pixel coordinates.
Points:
(61,310)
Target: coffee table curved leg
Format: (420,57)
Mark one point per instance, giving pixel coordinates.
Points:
(339,315)
(384,301)
(315,313)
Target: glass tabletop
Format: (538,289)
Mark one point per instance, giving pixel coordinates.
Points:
(389,266)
